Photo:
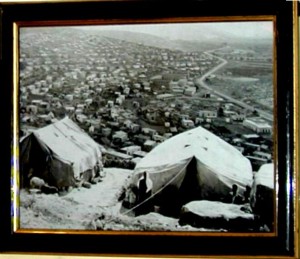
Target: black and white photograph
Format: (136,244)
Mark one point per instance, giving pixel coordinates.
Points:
(165,127)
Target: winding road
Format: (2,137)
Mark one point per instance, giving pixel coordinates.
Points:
(200,82)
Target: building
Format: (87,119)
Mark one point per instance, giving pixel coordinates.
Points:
(258,125)
(120,135)
(149,145)
(238,117)
(207,114)
(186,123)
(263,155)
(117,156)
(190,91)
(131,149)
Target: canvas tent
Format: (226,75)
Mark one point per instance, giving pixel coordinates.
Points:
(263,194)
(193,165)
(58,153)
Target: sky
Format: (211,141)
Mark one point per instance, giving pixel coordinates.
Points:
(191,31)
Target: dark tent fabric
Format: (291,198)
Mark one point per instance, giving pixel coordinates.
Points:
(193,165)
(58,153)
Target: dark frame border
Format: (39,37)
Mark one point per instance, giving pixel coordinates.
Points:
(282,245)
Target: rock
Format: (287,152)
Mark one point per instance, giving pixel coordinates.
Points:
(36,182)
(99,224)
(96,180)
(90,225)
(217,215)
(86,185)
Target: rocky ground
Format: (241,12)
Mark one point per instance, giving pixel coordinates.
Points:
(95,208)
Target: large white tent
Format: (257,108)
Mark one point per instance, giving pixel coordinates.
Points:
(198,164)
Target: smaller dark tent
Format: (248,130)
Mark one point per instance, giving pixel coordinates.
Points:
(58,153)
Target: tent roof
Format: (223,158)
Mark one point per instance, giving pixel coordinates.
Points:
(206,147)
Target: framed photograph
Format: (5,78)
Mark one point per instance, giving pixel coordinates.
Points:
(136,129)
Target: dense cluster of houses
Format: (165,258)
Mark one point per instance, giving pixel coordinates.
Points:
(129,97)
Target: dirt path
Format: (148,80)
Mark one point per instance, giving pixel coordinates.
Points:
(77,209)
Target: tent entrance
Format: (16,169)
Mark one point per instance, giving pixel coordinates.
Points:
(172,197)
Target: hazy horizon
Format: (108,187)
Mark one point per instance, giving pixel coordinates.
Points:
(191,31)
(188,31)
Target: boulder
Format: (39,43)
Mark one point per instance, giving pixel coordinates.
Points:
(217,215)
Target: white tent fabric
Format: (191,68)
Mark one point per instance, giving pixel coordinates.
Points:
(70,144)
(218,163)
(265,176)
(263,195)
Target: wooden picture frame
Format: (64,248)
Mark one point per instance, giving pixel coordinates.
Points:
(279,240)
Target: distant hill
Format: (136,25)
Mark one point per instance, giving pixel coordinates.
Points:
(160,42)
(141,38)
(205,39)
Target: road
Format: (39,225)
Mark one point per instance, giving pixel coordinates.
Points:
(200,82)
